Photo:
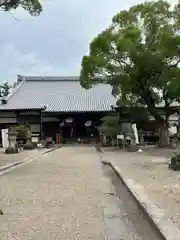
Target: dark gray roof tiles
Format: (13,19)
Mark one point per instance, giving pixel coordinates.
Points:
(60,94)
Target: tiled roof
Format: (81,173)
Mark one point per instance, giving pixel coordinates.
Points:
(172,105)
(59,94)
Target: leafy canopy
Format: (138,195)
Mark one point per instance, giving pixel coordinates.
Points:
(22,131)
(109,126)
(4,89)
(139,55)
(32,6)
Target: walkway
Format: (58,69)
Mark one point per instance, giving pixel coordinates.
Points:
(56,197)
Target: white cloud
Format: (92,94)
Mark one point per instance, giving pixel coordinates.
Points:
(54,42)
(13,62)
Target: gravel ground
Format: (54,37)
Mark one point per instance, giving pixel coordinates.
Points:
(151,174)
(149,151)
(56,197)
(158,152)
(6,159)
(134,222)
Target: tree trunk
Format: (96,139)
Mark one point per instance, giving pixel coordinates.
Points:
(178,127)
(163,136)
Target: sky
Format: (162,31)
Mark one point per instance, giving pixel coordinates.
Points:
(54,42)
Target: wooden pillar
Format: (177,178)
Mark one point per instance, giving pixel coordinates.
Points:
(57,138)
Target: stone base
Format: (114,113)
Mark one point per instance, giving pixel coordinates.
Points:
(28,146)
(133,148)
(174,162)
(11,150)
(34,145)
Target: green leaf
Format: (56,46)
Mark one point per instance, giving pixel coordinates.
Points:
(139,55)
(4,89)
(34,7)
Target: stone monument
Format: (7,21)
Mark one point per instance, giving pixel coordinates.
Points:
(35,139)
(12,135)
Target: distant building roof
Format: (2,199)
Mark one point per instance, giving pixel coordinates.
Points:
(59,94)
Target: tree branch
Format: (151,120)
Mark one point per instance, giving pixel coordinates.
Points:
(4,3)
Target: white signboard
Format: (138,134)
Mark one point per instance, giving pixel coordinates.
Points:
(35,139)
(135,133)
(4,134)
(120,137)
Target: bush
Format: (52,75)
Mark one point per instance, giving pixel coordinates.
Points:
(109,126)
(22,131)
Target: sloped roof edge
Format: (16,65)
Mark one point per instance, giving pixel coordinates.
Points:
(21,79)
(14,90)
(48,78)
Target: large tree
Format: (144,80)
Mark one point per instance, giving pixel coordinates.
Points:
(139,55)
(32,6)
(4,90)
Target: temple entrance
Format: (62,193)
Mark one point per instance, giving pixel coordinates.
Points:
(50,129)
(72,127)
(67,131)
(75,130)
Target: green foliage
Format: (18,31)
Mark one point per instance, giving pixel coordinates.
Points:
(134,114)
(4,89)
(22,131)
(32,6)
(139,55)
(109,126)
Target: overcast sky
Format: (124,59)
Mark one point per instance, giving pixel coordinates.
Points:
(54,42)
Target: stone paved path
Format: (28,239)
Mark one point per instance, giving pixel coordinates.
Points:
(56,197)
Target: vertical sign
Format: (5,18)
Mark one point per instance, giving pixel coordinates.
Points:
(4,135)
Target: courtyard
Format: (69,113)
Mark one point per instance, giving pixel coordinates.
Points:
(56,197)
(66,195)
(6,159)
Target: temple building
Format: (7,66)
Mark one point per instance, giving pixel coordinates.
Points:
(56,106)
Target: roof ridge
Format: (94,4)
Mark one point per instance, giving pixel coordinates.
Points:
(50,78)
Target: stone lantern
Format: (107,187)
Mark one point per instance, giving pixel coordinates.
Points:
(28,145)
(12,135)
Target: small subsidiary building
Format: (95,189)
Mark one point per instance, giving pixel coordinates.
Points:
(56,105)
